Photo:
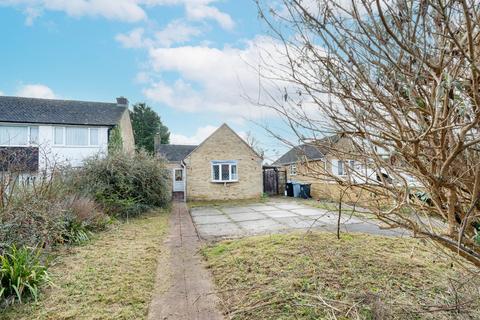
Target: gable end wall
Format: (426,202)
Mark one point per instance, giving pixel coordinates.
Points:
(223,145)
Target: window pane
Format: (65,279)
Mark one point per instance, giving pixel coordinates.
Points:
(225,172)
(34,135)
(340,168)
(94,137)
(216,172)
(13,135)
(76,136)
(4,140)
(234,171)
(58,135)
(178,175)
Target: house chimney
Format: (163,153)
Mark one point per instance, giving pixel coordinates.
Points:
(122,101)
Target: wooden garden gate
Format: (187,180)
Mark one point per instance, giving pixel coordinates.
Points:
(274,179)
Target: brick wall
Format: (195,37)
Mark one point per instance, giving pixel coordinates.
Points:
(224,144)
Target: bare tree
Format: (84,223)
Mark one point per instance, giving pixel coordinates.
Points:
(401,80)
(253,142)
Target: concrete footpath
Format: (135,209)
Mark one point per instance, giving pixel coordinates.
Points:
(184,288)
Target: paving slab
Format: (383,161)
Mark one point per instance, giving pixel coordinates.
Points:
(290,206)
(220,230)
(276,216)
(279,214)
(261,226)
(211,219)
(263,207)
(248,216)
(205,212)
(298,223)
(237,209)
(309,212)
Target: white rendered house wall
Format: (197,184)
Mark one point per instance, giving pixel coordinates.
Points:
(58,144)
(62,151)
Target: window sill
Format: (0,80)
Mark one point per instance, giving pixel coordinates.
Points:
(226,181)
(80,147)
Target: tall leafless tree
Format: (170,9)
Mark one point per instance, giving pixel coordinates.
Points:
(401,80)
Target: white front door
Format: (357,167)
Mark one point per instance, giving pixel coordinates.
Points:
(178,180)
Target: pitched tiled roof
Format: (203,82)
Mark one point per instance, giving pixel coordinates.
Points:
(311,151)
(49,111)
(174,152)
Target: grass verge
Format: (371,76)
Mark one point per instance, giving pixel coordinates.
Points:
(315,276)
(111,277)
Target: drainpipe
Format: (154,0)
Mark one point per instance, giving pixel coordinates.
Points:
(184,166)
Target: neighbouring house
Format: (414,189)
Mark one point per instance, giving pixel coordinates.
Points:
(222,167)
(324,163)
(321,163)
(38,133)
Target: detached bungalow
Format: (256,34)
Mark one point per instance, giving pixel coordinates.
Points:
(46,132)
(222,167)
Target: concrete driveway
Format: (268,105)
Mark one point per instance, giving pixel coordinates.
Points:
(275,217)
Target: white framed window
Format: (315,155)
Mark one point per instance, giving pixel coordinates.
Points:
(76,136)
(18,135)
(293,169)
(94,136)
(58,135)
(340,168)
(224,171)
(33,135)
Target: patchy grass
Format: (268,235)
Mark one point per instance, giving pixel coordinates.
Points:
(315,276)
(111,277)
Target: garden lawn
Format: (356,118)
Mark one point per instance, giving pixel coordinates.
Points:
(111,277)
(316,276)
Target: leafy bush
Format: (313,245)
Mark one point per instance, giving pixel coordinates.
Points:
(21,272)
(125,184)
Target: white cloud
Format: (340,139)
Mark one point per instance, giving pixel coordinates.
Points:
(210,79)
(1,93)
(122,10)
(36,91)
(142,77)
(175,32)
(201,134)
(133,39)
(200,11)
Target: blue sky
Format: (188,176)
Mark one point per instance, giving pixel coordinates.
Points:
(188,59)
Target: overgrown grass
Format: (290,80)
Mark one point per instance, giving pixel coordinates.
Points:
(315,276)
(111,277)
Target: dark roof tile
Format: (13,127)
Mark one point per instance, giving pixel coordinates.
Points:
(174,152)
(311,151)
(49,111)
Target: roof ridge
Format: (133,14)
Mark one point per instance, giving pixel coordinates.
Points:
(60,100)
